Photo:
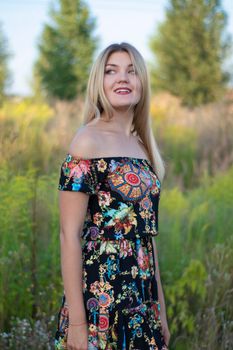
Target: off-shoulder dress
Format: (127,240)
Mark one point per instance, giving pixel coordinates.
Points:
(119,282)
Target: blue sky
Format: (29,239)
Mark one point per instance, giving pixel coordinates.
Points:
(117,20)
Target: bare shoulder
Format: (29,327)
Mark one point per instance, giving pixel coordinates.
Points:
(85,143)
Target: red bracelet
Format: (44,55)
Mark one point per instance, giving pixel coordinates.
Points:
(77,324)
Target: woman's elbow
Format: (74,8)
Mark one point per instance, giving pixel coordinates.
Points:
(67,236)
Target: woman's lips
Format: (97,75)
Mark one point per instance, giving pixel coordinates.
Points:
(123,91)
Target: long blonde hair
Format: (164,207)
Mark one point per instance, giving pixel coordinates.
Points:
(96,101)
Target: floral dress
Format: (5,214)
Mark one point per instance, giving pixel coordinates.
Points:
(119,284)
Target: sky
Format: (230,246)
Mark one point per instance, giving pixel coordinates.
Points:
(133,21)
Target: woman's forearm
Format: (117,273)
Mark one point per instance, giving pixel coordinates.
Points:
(161,300)
(159,284)
(71,265)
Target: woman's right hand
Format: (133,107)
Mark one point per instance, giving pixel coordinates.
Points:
(77,337)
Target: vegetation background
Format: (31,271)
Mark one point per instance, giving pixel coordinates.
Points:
(192,117)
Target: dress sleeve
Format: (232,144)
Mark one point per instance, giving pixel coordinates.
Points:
(78,175)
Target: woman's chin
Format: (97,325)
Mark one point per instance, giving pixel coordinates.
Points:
(122,108)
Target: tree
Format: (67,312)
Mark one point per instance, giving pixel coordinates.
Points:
(190,48)
(4,71)
(66,50)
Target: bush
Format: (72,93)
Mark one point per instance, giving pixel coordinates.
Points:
(28,335)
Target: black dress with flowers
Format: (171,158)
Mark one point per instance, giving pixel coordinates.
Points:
(119,283)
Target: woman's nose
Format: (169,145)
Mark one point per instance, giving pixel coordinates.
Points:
(123,76)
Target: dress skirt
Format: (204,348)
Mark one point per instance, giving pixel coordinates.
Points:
(120,296)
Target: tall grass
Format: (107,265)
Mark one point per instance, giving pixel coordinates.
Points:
(195,245)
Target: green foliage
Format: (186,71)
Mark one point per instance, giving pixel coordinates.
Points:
(195,143)
(26,140)
(195,245)
(174,209)
(190,48)
(180,147)
(29,241)
(29,263)
(211,219)
(191,222)
(4,71)
(180,143)
(66,50)
(214,325)
(195,250)
(185,297)
(25,335)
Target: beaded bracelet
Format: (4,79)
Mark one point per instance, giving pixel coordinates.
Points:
(77,324)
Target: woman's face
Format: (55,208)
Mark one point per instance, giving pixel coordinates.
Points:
(121,83)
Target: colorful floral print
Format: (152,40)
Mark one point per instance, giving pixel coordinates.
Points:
(119,281)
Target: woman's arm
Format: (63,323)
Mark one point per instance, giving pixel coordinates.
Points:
(73,204)
(73,207)
(163,315)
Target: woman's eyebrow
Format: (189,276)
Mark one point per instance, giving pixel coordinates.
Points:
(115,65)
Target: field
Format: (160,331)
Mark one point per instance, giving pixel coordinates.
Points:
(195,243)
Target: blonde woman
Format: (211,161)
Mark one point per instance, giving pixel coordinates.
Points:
(110,187)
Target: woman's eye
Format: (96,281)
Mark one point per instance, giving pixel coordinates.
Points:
(109,70)
(112,70)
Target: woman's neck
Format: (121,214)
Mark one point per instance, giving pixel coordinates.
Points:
(120,121)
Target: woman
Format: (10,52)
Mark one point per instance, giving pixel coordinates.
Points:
(109,194)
